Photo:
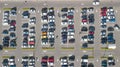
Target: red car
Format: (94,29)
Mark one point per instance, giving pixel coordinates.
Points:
(51,59)
(104,9)
(103,14)
(31,42)
(91,32)
(70,26)
(12,23)
(84,20)
(70,16)
(44,59)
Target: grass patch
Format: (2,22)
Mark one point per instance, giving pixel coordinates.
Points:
(7,9)
(89,48)
(28,48)
(5,56)
(9,48)
(48,48)
(104,57)
(106,48)
(90,57)
(67,48)
(26,9)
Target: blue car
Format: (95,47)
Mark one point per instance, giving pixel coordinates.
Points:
(112,20)
(103,20)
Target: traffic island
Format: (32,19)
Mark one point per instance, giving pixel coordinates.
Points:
(67,48)
(89,48)
(48,48)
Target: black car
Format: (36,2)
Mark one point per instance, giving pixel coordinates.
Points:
(14,11)
(12,35)
(64,9)
(84,45)
(103,26)
(5,43)
(5,62)
(91,28)
(6,38)
(84,16)
(5,32)
(104,40)
(72,58)
(13,43)
(110,28)
(91,20)
(83,64)
(72,40)
(25,25)
(44,10)
(84,29)
(90,65)
(12,29)
(111,61)
(71,64)
(1,47)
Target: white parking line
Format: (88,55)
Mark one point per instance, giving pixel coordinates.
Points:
(77,11)
(30,54)
(57,11)
(18,59)
(5,4)
(84,51)
(117,60)
(116,11)
(57,59)
(82,3)
(96,10)
(44,51)
(97,60)
(6,50)
(18,11)
(38,11)
(77,60)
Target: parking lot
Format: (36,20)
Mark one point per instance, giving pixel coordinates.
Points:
(54,47)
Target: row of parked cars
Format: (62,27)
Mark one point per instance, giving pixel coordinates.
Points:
(110,61)
(48,26)
(9,32)
(87,15)
(28,29)
(47,61)
(85,62)
(107,32)
(28,61)
(9,62)
(67,23)
(67,61)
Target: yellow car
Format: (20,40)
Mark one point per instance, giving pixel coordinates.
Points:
(44,36)
(44,33)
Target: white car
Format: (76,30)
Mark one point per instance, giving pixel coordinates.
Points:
(51,63)
(32,10)
(51,16)
(71,36)
(64,63)
(96,2)
(11,63)
(51,20)
(5,23)
(51,36)
(71,33)
(44,43)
